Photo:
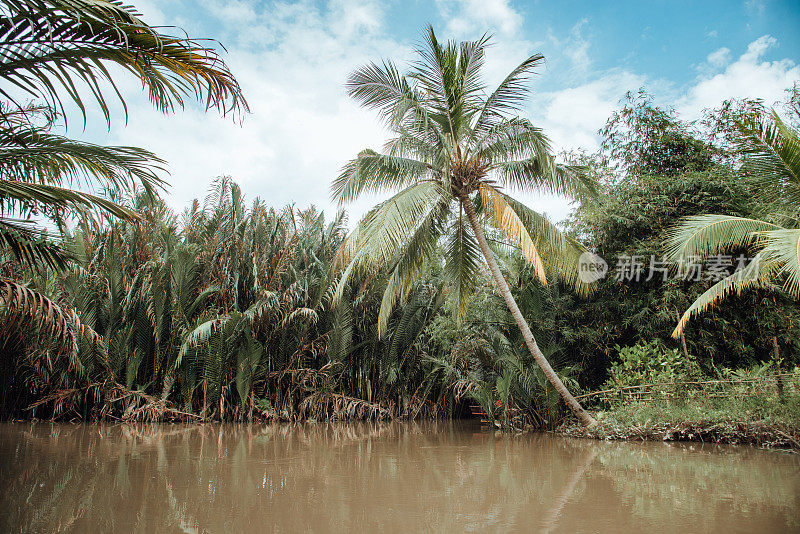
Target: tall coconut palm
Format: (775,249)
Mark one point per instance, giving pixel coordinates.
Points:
(771,152)
(457,151)
(54,52)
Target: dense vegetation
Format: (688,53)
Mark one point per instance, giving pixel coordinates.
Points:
(228,311)
(641,202)
(234,309)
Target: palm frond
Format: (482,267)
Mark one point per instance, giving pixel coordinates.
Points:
(507,97)
(436,71)
(49,47)
(704,235)
(385,228)
(772,154)
(411,259)
(541,173)
(782,249)
(503,217)
(758,273)
(200,335)
(34,155)
(306,314)
(415,145)
(372,172)
(36,197)
(462,263)
(56,328)
(340,336)
(31,246)
(510,139)
(384,88)
(560,253)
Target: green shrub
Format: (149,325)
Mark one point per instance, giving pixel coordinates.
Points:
(650,363)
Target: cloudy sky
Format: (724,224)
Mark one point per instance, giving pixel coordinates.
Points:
(292,59)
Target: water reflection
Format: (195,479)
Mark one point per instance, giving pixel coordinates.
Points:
(439,476)
(564,495)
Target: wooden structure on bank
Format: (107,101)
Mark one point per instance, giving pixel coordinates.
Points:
(478,413)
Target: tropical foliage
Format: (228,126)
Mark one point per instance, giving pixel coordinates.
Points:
(771,151)
(228,311)
(643,294)
(55,53)
(650,363)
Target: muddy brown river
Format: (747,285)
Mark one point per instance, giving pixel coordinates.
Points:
(394,477)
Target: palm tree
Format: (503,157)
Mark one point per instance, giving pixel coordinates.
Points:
(455,150)
(771,149)
(53,51)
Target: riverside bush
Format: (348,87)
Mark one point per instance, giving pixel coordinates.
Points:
(650,363)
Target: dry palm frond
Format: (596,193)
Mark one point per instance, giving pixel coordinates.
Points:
(326,405)
(463,387)
(57,328)
(111,400)
(508,221)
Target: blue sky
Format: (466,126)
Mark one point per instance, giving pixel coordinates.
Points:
(292,59)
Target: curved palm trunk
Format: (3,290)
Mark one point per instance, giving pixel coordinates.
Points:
(505,292)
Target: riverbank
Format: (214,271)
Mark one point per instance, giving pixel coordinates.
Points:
(766,418)
(774,426)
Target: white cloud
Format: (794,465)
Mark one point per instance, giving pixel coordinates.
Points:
(572,116)
(292,64)
(232,11)
(757,48)
(719,57)
(150,12)
(755,7)
(466,17)
(355,17)
(750,76)
(575,48)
